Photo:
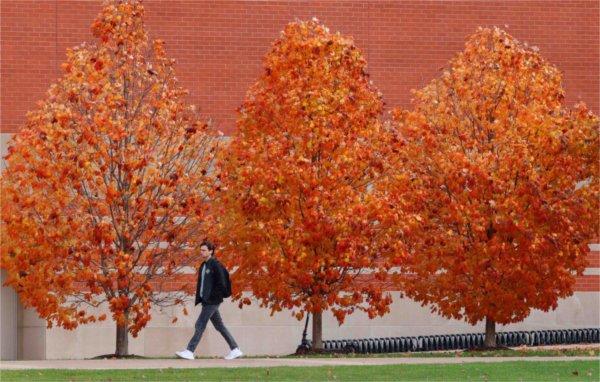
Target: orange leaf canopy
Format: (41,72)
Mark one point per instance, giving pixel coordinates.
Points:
(499,184)
(300,214)
(105,186)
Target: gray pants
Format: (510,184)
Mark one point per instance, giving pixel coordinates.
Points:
(210,312)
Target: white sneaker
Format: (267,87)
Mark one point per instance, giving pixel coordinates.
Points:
(185,354)
(234,354)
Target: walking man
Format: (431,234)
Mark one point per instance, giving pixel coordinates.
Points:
(213,285)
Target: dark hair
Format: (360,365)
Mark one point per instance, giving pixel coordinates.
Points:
(209,245)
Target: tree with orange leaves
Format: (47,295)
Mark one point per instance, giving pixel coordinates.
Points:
(301,217)
(498,185)
(104,194)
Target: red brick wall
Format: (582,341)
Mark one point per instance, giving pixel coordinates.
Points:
(218,44)
(594,259)
(584,283)
(590,282)
(587,283)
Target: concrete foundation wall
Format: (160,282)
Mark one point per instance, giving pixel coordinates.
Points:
(8,298)
(8,320)
(258,333)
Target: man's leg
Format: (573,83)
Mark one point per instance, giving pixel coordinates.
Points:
(205,315)
(220,326)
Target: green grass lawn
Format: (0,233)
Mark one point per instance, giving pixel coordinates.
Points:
(503,371)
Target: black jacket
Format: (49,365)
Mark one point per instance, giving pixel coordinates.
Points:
(216,283)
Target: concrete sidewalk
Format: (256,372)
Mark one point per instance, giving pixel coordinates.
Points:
(259,362)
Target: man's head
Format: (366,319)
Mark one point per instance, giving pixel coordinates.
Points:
(207,249)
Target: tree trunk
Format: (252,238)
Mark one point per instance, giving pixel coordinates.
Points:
(490,333)
(122,340)
(317,333)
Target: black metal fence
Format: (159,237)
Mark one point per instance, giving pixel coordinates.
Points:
(463,341)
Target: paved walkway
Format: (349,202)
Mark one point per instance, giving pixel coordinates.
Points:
(257,362)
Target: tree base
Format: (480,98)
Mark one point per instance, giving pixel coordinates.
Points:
(114,356)
(303,351)
(490,348)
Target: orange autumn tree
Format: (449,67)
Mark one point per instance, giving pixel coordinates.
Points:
(102,197)
(498,185)
(300,216)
